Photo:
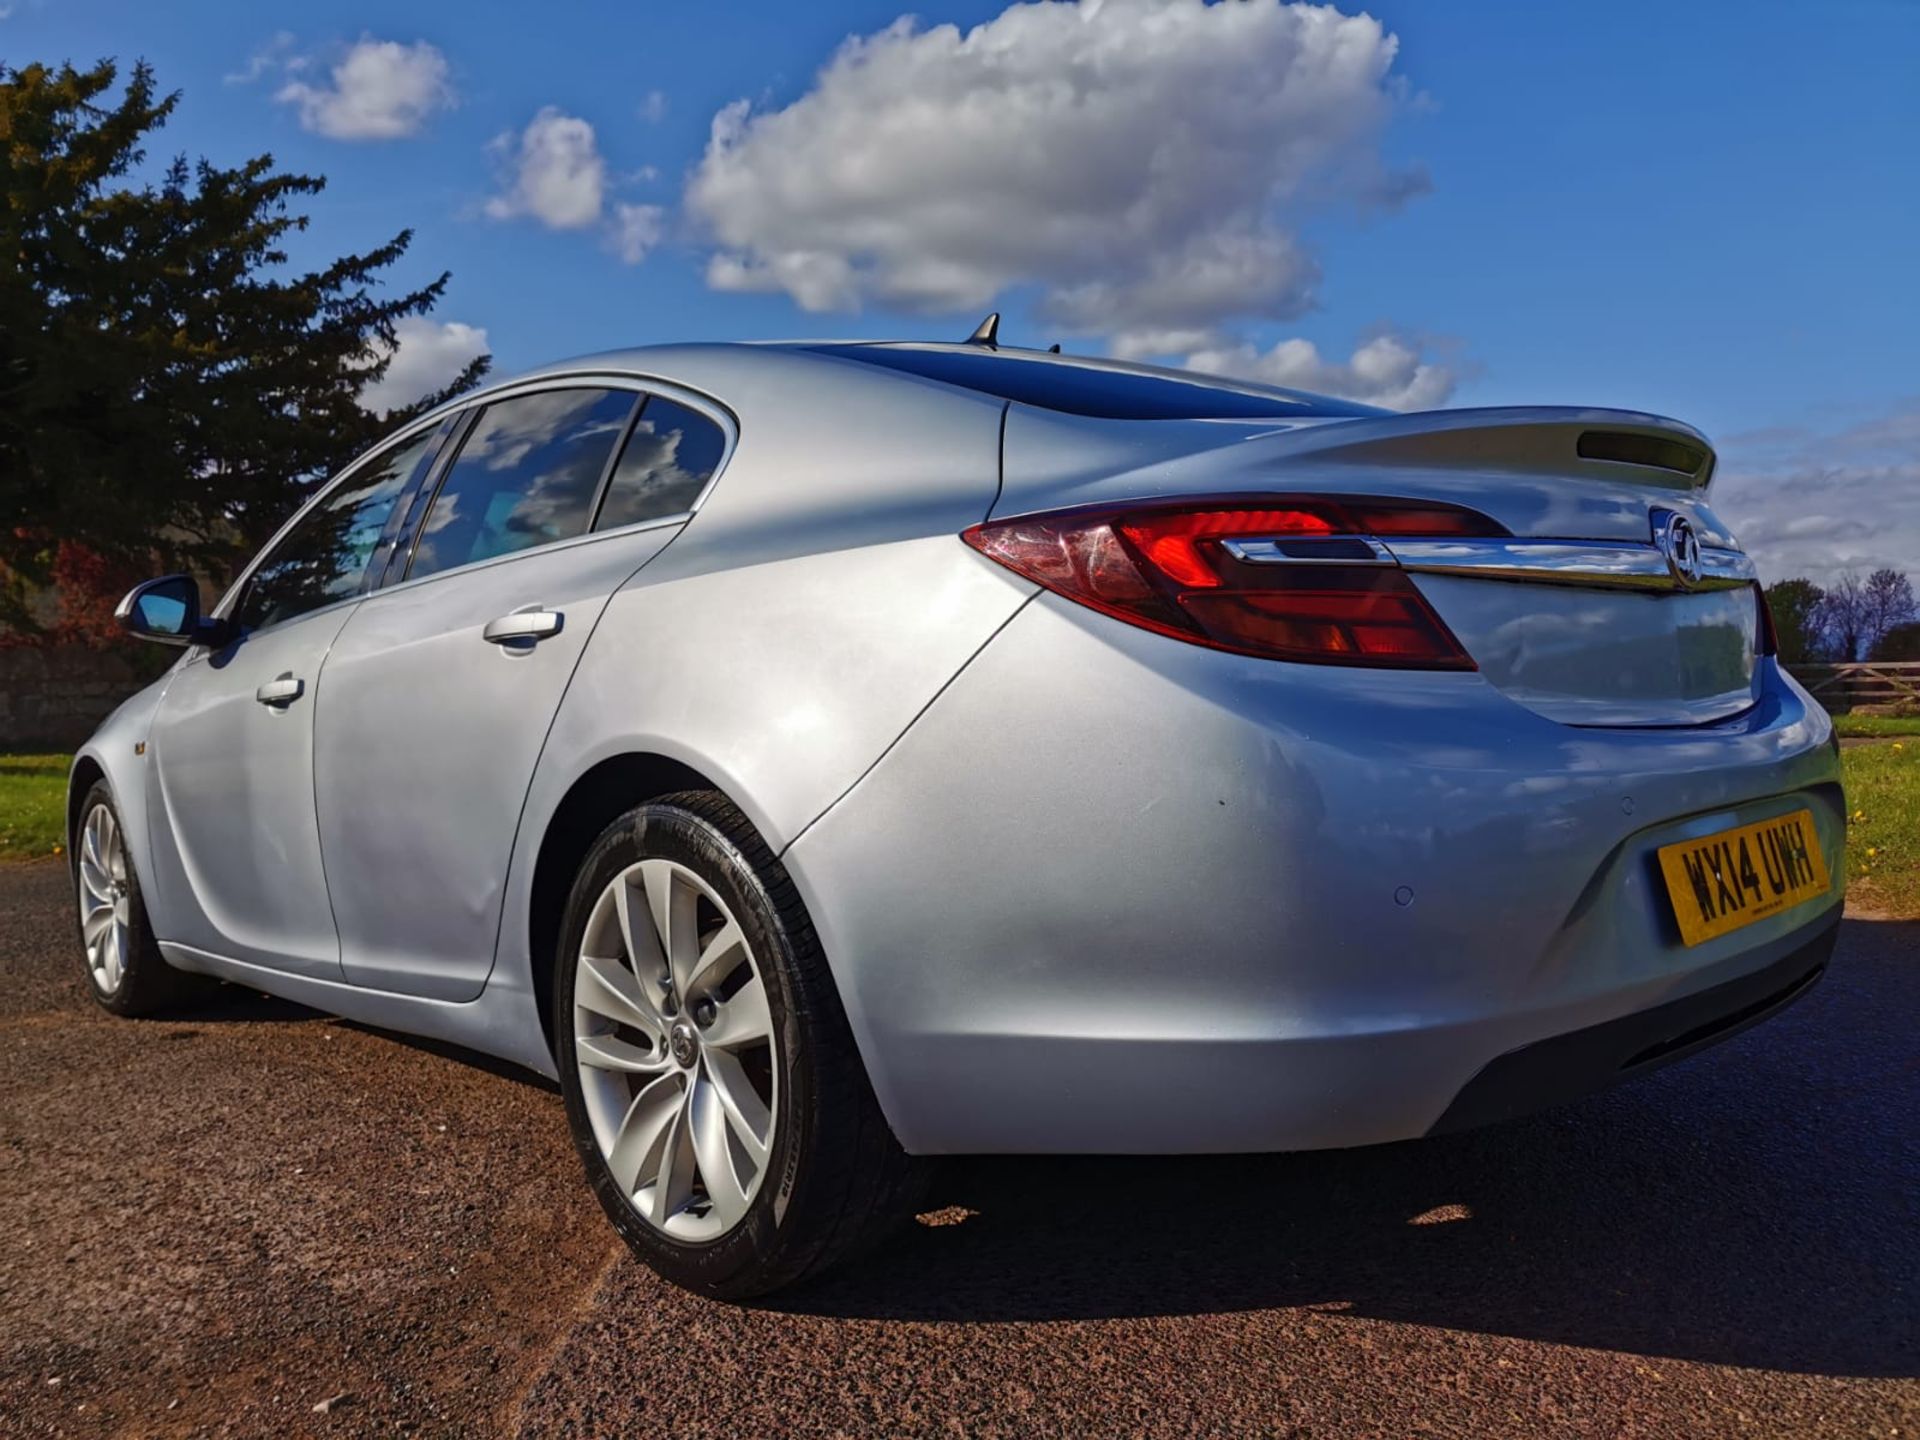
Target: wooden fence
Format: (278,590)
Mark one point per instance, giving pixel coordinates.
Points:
(1867,682)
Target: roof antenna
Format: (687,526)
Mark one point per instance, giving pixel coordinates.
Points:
(1054,348)
(988,334)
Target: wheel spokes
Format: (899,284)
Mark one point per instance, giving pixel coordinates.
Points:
(608,989)
(639,936)
(610,1052)
(97,921)
(707,1124)
(719,958)
(635,1148)
(672,1188)
(106,909)
(746,1113)
(674,905)
(743,1018)
(115,856)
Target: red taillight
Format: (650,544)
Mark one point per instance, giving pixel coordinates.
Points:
(1318,591)
(1769,637)
(1172,543)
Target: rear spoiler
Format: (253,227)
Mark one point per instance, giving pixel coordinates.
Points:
(1619,445)
(1540,470)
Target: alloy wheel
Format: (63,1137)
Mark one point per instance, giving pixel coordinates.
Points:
(106,902)
(675,1047)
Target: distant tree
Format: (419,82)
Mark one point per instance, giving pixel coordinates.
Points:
(1888,601)
(1842,618)
(169,387)
(1856,613)
(1796,608)
(1902,642)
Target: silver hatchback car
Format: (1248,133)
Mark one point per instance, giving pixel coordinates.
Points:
(818,757)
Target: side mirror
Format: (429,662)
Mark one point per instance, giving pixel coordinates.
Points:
(166,610)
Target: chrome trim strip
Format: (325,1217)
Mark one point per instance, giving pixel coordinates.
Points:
(1604,564)
(1269,552)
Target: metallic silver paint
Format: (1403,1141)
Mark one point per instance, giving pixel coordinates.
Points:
(237,849)
(427,738)
(1150,906)
(1607,658)
(1082,887)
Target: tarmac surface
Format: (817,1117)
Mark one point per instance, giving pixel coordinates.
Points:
(256,1220)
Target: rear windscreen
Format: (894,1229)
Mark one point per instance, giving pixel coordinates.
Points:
(1055,384)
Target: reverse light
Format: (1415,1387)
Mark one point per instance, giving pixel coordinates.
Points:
(1295,578)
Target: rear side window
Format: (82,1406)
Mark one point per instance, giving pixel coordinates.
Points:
(526,475)
(324,557)
(669,458)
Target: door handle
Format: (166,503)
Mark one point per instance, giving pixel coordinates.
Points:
(281,691)
(529,624)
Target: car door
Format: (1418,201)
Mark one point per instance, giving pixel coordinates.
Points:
(442,686)
(230,754)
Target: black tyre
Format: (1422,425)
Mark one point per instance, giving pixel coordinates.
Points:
(118,955)
(712,1085)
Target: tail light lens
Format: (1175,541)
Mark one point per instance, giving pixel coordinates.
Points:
(1284,579)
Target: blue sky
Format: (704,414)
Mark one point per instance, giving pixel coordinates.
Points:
(1705,210)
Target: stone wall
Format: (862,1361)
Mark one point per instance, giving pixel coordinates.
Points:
(52,696)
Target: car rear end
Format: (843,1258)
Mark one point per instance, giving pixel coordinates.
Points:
(1346,778)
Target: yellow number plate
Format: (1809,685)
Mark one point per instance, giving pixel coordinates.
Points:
(1720,882)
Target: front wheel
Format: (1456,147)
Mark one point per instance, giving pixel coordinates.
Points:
(123,964)
(712,1084)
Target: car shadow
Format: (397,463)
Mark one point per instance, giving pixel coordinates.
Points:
(213,1002)
(1757,1205)
(231,1003)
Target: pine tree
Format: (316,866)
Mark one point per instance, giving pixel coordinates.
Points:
(170,388)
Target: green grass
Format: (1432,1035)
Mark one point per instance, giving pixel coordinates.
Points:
(1883,827)
(33,805)
(1874,726)
(1883,822)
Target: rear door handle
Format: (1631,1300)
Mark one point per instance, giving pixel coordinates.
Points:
(281,691)
(530,623)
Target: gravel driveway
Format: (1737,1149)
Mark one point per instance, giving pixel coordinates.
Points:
(216,1224)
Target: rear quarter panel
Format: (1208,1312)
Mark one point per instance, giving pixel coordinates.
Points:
(814,606)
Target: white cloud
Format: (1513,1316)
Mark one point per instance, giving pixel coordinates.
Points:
(1142,162)
(557,173)
(430,354)
(636,229)
(1387,370)
(380,90)
(1820,502)
(653,109)
(276,54)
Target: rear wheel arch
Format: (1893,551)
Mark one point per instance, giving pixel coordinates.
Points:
(597,798)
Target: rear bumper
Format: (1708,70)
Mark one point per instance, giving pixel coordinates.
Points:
(1114,893)
(1565,1067)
